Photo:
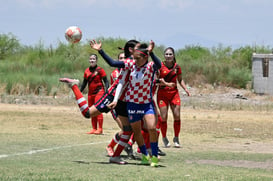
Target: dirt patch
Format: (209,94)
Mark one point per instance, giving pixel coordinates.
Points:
(219,98)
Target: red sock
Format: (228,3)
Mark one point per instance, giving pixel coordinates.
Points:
(132,140)
(146,138)
(164,128)
(94,122)
(176,127)
(158,125)
(100,120)
(114,141)
(81,101)
(124,138)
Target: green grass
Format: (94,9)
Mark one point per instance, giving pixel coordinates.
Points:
(49,143)
(90,163)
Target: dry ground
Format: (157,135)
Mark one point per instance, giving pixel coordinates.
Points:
(213,119)
(202,130)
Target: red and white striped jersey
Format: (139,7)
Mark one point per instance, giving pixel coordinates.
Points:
(139,82)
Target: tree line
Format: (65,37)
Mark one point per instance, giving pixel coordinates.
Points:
(35,69)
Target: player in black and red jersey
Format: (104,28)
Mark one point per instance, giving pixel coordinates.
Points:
(167,97)
(96,79)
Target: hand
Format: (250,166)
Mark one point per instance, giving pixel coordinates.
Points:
(188,93)
(112,105)
(151,46)
(171,84)
(95,45)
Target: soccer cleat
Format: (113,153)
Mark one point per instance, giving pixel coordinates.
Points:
(161,153)
(92,131)
(70,82)
(176,142)
(145,160)
(154,161)
(110,151)
(137,153)
(117,160)
(99,131)
(149,150)
(129,150)
(166,142)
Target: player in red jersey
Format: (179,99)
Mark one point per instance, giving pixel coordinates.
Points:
(167,97)
(113,77)
(96,79)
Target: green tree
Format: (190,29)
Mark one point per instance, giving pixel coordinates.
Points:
(8,45)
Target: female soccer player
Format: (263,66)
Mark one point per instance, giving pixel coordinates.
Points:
(101,106)
(113,77)
(96,79)
(139,95)
(169,96)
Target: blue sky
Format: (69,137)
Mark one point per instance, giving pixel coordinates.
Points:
(173,23)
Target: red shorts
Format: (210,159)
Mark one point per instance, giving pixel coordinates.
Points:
(165,98)
(92,98)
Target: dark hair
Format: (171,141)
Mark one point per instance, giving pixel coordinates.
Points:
(171,48)
(143,48)
(94,55)
(129,44)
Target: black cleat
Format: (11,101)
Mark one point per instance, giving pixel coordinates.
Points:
(161,153)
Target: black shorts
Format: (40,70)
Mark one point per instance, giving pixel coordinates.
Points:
(102,103)
(121,108)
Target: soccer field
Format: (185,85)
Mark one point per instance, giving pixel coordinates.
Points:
(43,142)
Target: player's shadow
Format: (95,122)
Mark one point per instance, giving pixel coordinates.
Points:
(87,163)
(125,157)
(81,162)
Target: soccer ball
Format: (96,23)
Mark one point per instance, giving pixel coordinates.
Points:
(73,34)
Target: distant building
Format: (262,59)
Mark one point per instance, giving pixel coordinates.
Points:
(262,73)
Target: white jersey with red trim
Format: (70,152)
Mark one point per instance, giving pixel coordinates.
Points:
(123,79)
(139,82)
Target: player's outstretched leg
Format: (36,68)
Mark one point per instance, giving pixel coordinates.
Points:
(81,101)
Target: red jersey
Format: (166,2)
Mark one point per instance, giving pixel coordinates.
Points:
(117,75)
(114,75)
(94,79)
(170,75)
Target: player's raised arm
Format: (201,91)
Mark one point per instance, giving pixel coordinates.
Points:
(109,60)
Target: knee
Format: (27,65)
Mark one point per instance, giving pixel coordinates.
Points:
(176,116)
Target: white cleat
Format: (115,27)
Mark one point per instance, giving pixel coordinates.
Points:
(117,160)
(166,142)
(176,142)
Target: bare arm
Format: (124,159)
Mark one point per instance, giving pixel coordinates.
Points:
(164,83)
(182,84)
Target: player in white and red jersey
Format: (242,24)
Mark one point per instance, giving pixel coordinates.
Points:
(121,107)
(138,95)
